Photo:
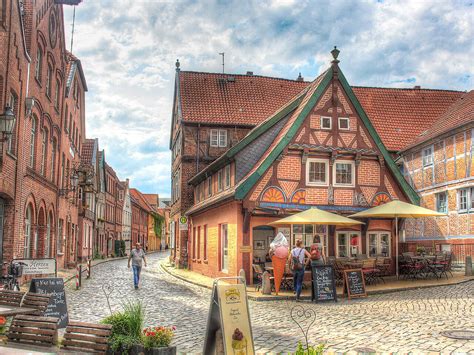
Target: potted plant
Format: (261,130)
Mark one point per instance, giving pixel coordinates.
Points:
(420,250)
(157,340)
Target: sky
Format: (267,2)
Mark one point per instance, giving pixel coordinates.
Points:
(128,49)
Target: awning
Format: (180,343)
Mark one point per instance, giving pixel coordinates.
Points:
(380,225)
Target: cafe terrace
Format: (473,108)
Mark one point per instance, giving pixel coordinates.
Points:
(318,149)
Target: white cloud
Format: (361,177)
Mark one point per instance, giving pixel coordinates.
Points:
(128,50)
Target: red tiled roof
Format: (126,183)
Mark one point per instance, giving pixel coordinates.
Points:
(399,115)
(250,99)
(458,114)
(140,199)
(87,151)
(151,199)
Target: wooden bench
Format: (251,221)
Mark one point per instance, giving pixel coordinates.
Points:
(36,301)
(88,337)
(33,330)
(11,298)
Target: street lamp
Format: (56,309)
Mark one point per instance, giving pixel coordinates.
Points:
(7,123)
(74,180)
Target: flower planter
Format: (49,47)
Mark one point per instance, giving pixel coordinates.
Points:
(140,350)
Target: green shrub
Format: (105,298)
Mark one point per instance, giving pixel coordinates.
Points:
(126,326)
(318,350)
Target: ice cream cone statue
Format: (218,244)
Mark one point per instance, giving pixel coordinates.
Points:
(279,250)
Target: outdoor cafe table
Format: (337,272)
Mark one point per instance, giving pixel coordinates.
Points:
(8,311)
(426,257)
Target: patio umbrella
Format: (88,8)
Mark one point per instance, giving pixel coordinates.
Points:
(397,209)
(316,216)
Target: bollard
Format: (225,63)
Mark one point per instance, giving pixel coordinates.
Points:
(266,283)
(469,266)
(242,275)
(89,262)
(80,276)
(77,277)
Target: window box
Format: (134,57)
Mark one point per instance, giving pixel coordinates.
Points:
(317,172)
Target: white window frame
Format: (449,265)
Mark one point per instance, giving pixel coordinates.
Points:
(330,122)
(222,138)
(214,138)
(438,195)
(379,243)
(227,177)
(428,162)
(352,163)
(348,123)
(224,237)
(220,182)
(317,183)
(209,186)
(468,192)
(348,248)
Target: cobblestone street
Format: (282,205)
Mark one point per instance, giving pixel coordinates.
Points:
(402,321)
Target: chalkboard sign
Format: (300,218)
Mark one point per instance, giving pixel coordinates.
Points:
(354,283)
(57,306)
(324,285)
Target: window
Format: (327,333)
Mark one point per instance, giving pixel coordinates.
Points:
(441,202)
(70,125)
(344,123)
(48,81)
(39,63)
(12,104)
(428,156)
(209,186)
(466,200)
(66,128)
(59,243)
(32,142)
(224,248)
(220,183)
(62,171)
(28,233)
(218,138)
(48,236)
(326,122)
(199,243)
(227,176)
(347,244)
(343,171)
(194,243)
(310,234)
(317,172)
(378,244)
(44,139)
(205,242)
(56,95)
(53,160)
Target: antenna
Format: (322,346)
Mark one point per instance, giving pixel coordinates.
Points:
(73,21)
(222,54)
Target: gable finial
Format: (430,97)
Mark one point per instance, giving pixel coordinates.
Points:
(335,53)
(177,64)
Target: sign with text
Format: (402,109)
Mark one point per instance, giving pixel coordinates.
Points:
(38,266)
(229,314)
(354,283)
(183,223)
(324,285)
(57,306)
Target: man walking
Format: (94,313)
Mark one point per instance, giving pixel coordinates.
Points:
(136,255)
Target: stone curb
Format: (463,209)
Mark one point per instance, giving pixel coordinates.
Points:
(339,295)
(102,262)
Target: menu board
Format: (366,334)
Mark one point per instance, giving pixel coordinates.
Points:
(57,306)
(354,283)
(324,285)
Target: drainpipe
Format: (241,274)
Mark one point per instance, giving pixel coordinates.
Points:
(198,147)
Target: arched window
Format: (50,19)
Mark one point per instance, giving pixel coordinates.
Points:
(39,63)
(53,160)
(48,80)
(47,247)
(33,142)
(28,232)
(56,94)
(44,141)
(66,128)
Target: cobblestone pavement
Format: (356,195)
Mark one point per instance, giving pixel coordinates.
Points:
(403,321)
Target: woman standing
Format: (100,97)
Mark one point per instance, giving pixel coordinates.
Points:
(317,252)
(298,265)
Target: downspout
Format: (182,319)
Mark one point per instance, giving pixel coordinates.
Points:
(198,147)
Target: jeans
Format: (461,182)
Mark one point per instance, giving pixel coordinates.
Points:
(136,274)
(298,276)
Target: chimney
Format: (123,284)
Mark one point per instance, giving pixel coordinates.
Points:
(417,87)
(250,73)
(299,78)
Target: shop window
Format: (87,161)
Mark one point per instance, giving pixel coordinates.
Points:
(442,202)
(343,123)
(317,172)
(224,248)
(343,171)
(326,122)
(378,244)
(310,234)
(347,244)
(428,156)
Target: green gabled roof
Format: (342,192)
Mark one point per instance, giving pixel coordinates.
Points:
(409,191)
(225,158)
(245,186)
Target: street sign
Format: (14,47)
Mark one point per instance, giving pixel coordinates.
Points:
(229,313)
(183,223)
(38,266)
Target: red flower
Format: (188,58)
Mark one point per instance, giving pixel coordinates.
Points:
(3,321)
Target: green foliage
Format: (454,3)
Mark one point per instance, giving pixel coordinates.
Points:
(159,221)
(318,350)
(126,326)
(157,337)
(97,255)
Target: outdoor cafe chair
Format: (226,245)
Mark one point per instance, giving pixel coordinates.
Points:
(370,271)
(36,301)
(258,276)
(288,281)
(11,298)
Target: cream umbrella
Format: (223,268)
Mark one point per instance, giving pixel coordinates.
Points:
(316,216)
(397,209)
